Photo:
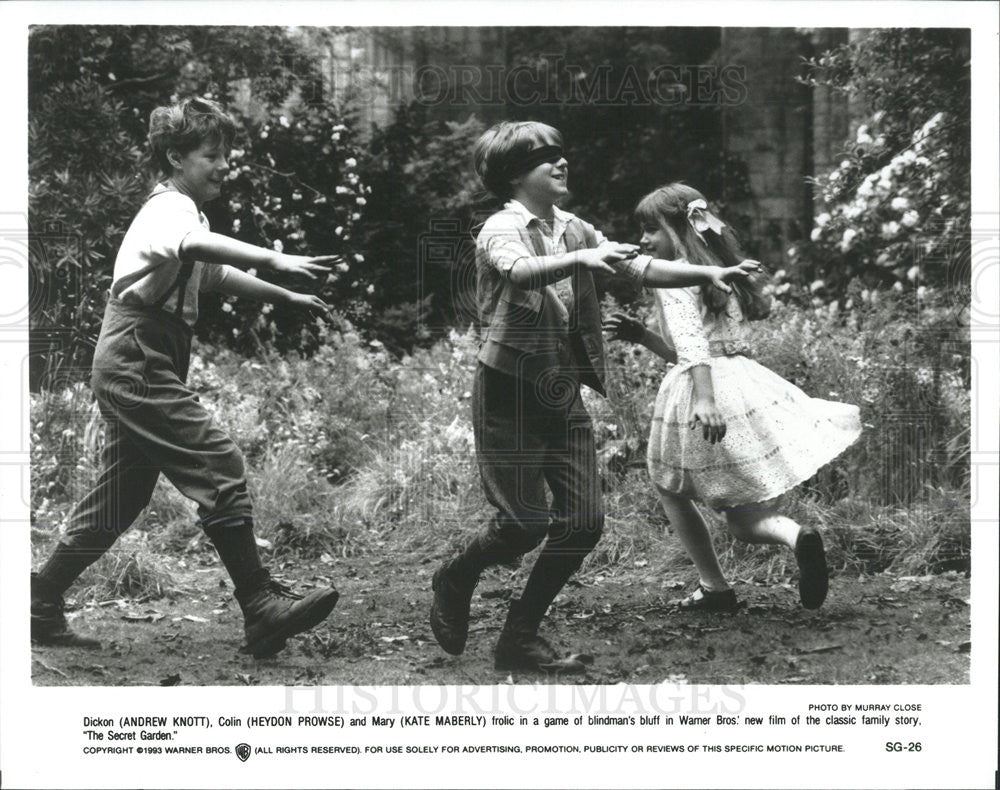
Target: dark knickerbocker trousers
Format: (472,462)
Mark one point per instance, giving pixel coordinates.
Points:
(529,434)
(155,423)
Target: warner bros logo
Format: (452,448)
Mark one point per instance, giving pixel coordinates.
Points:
(243,751)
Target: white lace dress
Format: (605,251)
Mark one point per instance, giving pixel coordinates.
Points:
(776,435)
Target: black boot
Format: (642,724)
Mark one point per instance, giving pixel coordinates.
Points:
(519,645)
(272,613)
(813,573)
(48,622)
(453,585)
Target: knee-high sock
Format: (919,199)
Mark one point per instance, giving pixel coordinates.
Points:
(762,524)
(237,549)
(691,529)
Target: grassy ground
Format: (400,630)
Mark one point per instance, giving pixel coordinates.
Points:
(371,492)
(880,629)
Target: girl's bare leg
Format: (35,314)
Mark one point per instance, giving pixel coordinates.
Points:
(761,523)
(693,533)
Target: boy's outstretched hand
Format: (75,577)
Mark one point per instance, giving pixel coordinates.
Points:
(310,302)
(622,327)
(601,258)
(306,268)
(722,274)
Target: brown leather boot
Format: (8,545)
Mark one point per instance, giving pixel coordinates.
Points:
(519,645)
(48,621)
(272,613)
(453,591)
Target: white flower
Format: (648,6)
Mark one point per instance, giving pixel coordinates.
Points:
(339,128)
(263,135)
(900,203)
(342,190)
(338,230)
(847,239)
(816,233)
(296,196)
(335,137)
(897,286)
(912,273)
(278,245)
(791,252)
(815,286)
(342,267)
(844,164)
(252,272)
(226,307)
(351,162)
(360,201)
(910,218)
(352,179)
(822,219)
(283,121)
(890,229)
(236,226)
(359,258)
(320,200)
(355,216)
(370,289)
(921,292)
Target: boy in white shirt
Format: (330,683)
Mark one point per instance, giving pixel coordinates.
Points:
(155,422)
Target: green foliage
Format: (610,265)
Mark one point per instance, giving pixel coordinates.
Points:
(416,229)
(293,186)
(897,207)
(91,90)
(352,450)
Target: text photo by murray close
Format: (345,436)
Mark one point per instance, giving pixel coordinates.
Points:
(479,355)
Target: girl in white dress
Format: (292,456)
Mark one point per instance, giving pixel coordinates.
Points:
(760,435)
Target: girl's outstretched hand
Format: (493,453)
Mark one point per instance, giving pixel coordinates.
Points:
(713,425)
(622,327)
(721,275)
(311,303)
(304,267)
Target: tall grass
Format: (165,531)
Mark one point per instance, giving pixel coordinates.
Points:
(354,452)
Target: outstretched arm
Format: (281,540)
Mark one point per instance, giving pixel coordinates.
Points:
(621,327)
(203,245)
(245,286)
(681,274)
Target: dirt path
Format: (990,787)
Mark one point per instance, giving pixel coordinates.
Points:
(879,630)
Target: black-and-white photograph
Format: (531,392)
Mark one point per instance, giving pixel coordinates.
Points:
(450,355)
(443,355)
(523,395)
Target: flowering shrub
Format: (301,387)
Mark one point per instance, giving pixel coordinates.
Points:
(293,186)
(896,209)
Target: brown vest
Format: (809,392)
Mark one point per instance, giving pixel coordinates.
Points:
(527,333)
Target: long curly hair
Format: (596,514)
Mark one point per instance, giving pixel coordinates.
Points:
(667,208)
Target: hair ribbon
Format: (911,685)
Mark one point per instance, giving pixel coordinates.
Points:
(701,219)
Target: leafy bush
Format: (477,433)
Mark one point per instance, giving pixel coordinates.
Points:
(293,186)
(294,182)
(897,206)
